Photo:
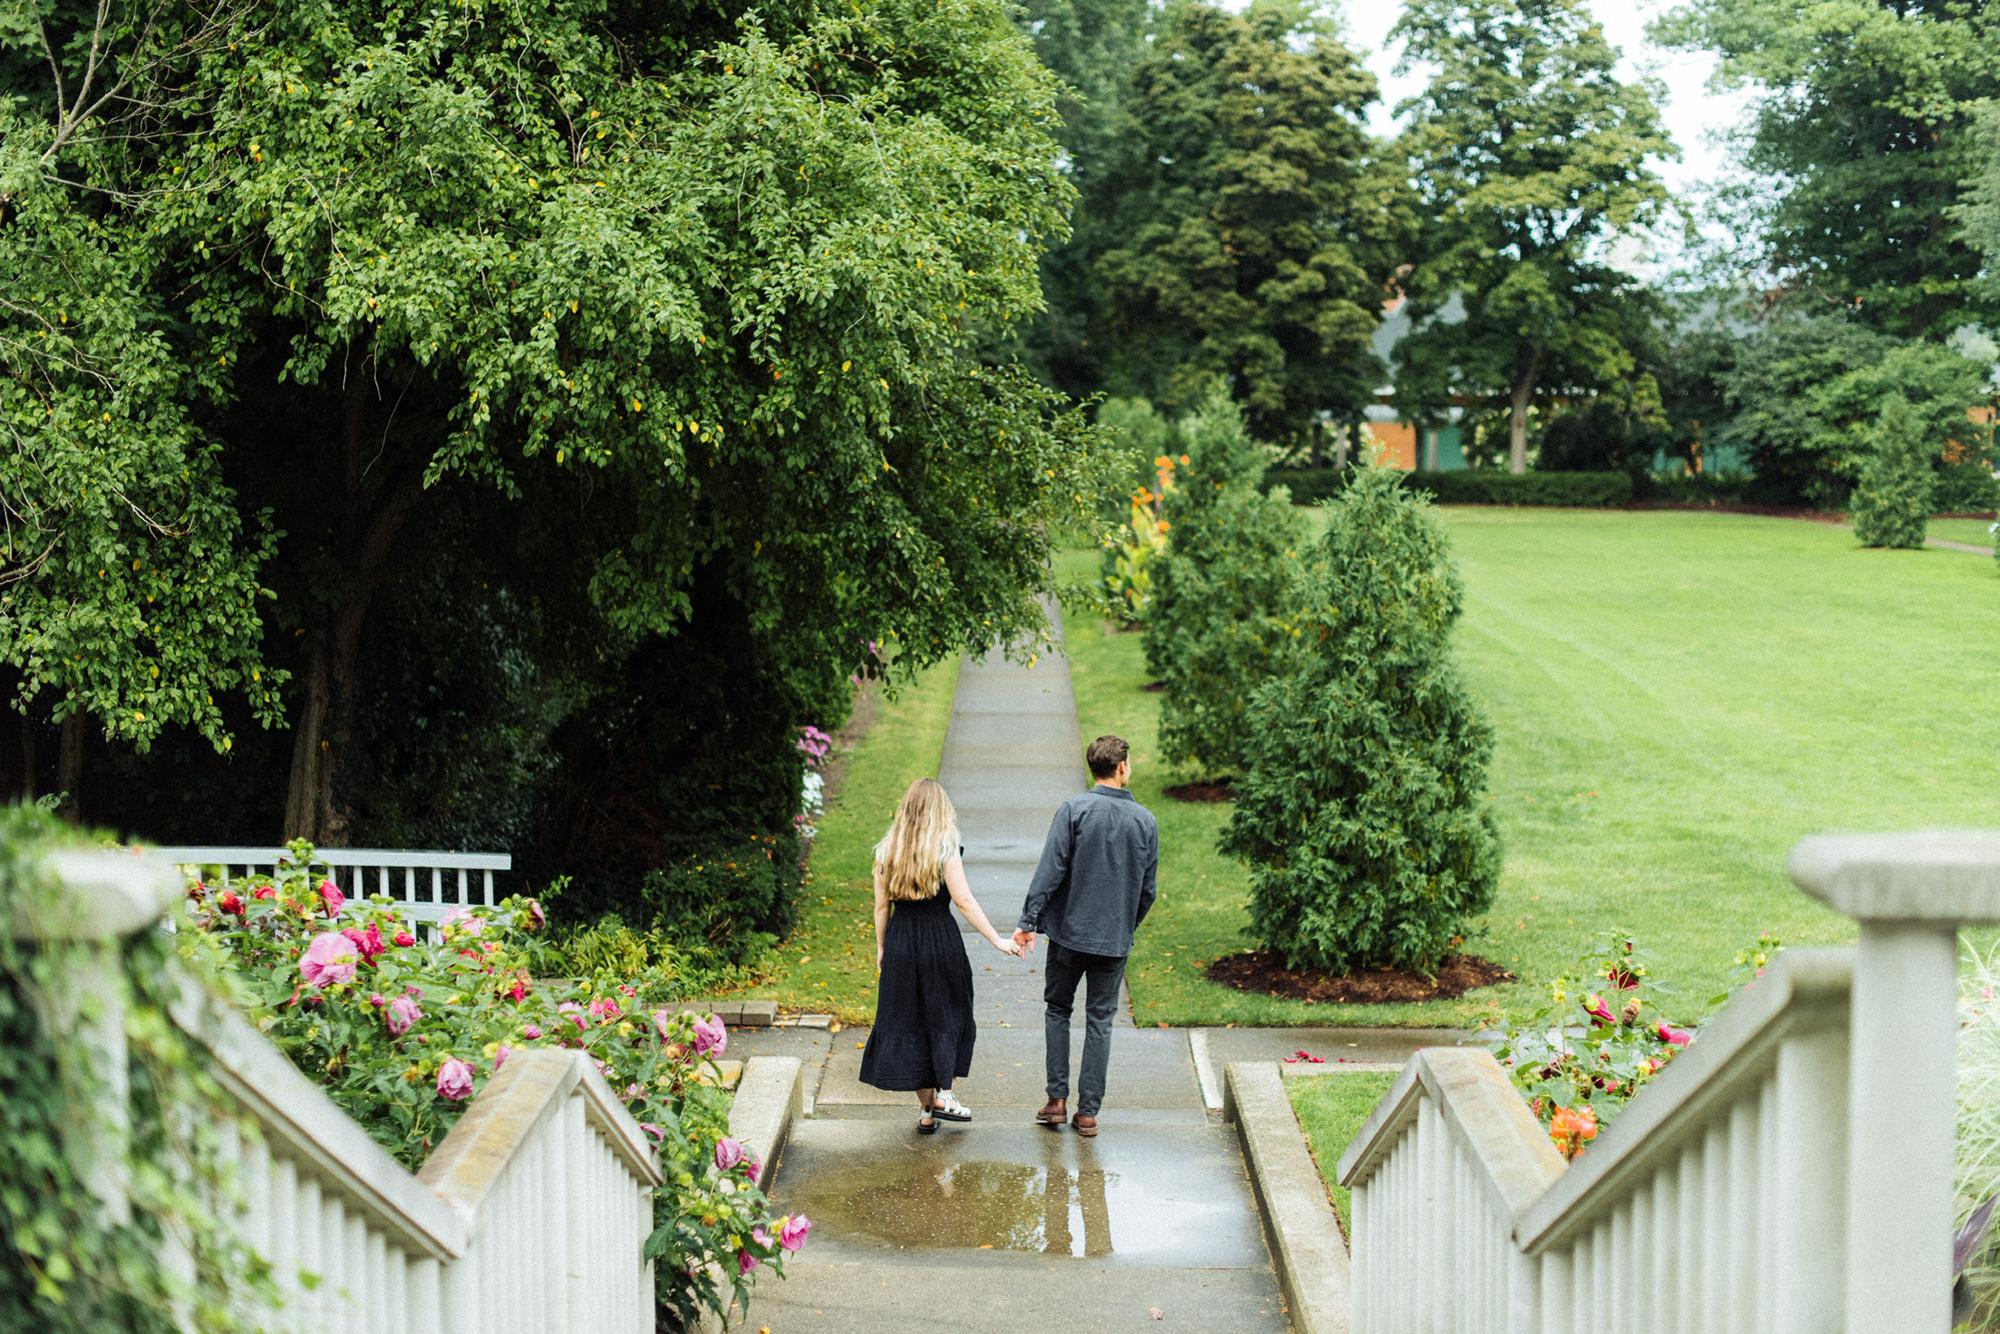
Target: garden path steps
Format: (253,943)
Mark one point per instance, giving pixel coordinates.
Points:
(1001,1225)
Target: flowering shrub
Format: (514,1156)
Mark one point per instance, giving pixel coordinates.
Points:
(403,1032)
(1131,553)
(1602,1036)
(729,902)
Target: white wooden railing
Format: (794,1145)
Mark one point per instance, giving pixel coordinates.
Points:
(1791,1171)
(529,1217)
(426,886)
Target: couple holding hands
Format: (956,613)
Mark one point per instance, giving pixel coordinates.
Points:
(1092,888)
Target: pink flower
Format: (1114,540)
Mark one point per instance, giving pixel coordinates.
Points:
(413,990)
(656,1132)
(575,1013)
(728,1153)
(710,1037)
(751,1167)
(369,942)
(519,991)
(464,923)
(1593,1005)
(500,1056)
(330,894)
(536,919)
(263,892)
(745,1262)
(604,1008)
(331,958)
(761,1237)
(404,938)
(1677,1036)
(792,1231)
(661,1019)
(633,1093)
(531,1031)
(231,904)
(403,1014)
(1986,993)
(375,999)
(454,1081)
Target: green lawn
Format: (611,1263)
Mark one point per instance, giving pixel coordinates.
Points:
(828,966)
(1977,531)
(1330,1109)
(1677,697)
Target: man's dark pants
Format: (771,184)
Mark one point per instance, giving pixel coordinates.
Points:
(1101,973)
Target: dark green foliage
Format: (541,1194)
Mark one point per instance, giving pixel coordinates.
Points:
(1221,456)
(1859,149)
(1892,503)
(1806,394)
(1306,486)
(1705,488)
(1620,431)
(1490,486)
(1968,486)
(1362,811)
(1257,221)
(1227,578)
(728,902)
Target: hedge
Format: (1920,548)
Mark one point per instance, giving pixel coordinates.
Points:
(1596,490)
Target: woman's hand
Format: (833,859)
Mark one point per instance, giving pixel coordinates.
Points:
(878,958)
(1006,946)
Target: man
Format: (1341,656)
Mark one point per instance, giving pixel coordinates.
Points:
(1094,886)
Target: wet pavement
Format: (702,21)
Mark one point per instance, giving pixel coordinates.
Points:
(1001,1225)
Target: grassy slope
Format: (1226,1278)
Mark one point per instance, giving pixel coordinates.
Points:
(828,966)
(1330,1109)
(1677,698)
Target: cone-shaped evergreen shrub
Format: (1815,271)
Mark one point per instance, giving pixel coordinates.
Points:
(1220,455)
(1892,502)
(1362,811)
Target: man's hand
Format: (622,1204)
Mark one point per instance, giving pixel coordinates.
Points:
(1026,940)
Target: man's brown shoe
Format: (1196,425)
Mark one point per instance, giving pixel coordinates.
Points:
(1054,1114)
(1086,1126)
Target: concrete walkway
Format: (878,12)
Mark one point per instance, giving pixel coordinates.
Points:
(1001,1225)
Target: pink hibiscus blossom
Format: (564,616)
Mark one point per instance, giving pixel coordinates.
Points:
(728,1153)
(330,895)
(574,1012)
(792,1231)
(604,1007)
(232,905)
(1594,1006)
(531,1031)
(745,1262)
(710,1037)
(454,1081)
(1679,1037)
(404,938)
(331,958)
(751,1167)
(464,922)
(369,942)
(402,1015)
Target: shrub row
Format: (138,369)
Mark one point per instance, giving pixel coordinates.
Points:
(1483,486)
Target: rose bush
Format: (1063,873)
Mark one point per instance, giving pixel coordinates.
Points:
(403,1031)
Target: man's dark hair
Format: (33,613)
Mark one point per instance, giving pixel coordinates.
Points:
(1105,755)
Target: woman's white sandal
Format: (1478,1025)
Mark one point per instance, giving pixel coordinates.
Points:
(949,1108)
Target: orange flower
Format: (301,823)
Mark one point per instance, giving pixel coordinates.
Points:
(1163,462)
(1162,525)
(1184,460)
(1572,1128)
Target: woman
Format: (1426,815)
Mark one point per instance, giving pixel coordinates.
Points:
(922,1040)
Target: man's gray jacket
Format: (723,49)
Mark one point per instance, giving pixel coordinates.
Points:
(1095,883)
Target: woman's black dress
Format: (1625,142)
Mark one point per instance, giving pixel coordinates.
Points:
(923,1003)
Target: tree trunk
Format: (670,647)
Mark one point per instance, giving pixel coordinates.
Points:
(1431,449)
(370,525)
(69,767)
(1517,420)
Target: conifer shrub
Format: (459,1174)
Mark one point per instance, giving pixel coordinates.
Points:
(1362,808)
(1892,503)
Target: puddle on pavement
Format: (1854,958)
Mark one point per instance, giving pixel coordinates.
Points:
(1053,1209)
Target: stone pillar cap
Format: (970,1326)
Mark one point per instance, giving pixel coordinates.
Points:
(1941,876)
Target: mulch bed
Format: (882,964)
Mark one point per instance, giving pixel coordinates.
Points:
(1264,971)
(1219,790)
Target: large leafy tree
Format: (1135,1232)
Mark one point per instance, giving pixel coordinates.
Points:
(1862,126)
(1264,225)
(701,285)
(1531,156)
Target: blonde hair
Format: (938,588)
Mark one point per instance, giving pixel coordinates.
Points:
(911,857)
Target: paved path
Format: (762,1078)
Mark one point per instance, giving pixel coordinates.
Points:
(1001,1225)
(1946,544)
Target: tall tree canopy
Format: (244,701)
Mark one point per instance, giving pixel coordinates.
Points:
(1530,155)
(1861,124)
(1264,225)
(700,288)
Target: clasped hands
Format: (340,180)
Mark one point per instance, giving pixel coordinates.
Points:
(1023,944)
